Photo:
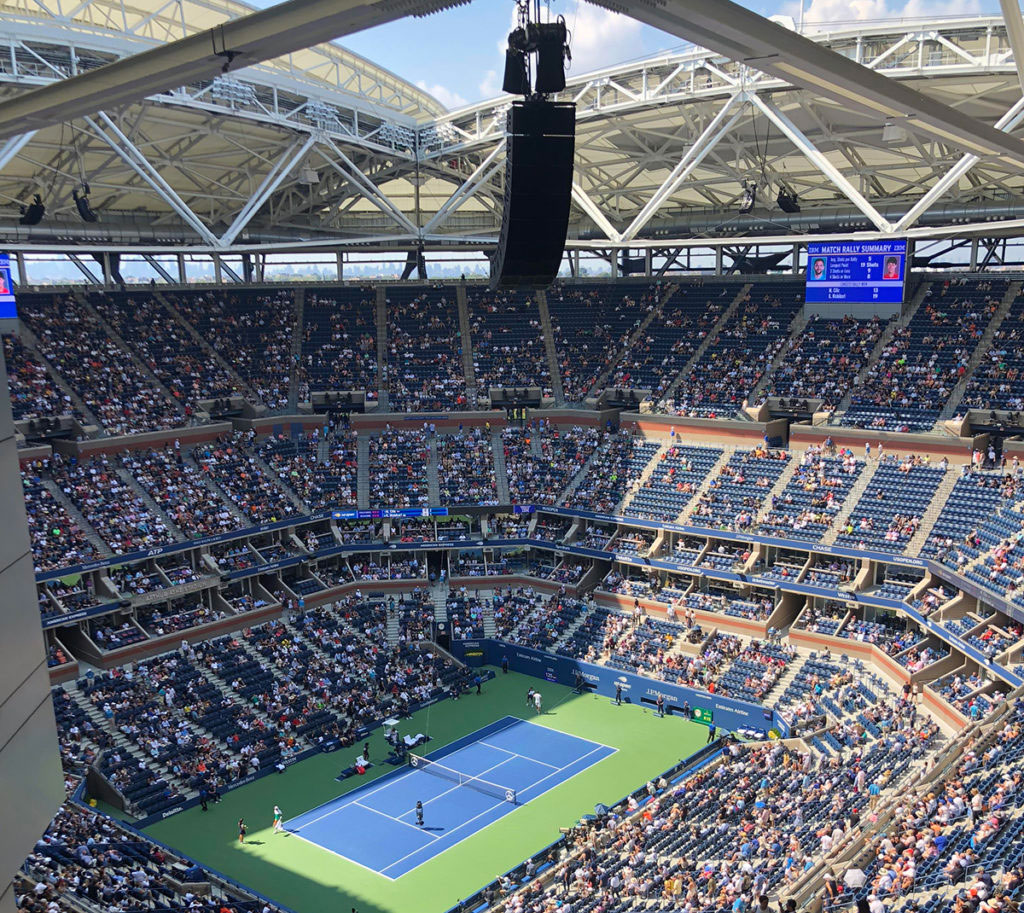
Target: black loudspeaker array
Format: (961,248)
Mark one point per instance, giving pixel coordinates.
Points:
(541,137)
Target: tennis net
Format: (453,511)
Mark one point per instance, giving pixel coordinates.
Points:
(462,779)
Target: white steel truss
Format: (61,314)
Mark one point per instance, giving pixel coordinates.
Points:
(662,145)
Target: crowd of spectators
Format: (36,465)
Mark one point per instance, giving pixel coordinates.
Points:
(424,351)
(465,468)
(176,486)
(33,392)
(113,508)
(320,481)
(824,357)
(591,324)
(57,540)
(100,372)
(251,331)
(508,345)
(398,468)
(541,459)
(339,343)
(738,355)
(231,464)
(165,347)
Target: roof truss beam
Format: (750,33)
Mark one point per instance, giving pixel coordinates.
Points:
(746,37)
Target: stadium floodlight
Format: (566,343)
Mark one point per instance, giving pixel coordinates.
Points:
(85,210)
(749,196)
(34,212)
(787,201)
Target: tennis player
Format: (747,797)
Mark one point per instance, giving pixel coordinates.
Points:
(419,813)
(536,700)
(241,830)
(278,819)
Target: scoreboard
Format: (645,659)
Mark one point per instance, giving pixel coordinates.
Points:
(872,272)
(8,310)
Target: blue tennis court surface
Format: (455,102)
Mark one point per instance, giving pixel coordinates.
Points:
(375,826)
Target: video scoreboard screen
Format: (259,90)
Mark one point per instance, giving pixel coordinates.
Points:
(871,272)
(8,310)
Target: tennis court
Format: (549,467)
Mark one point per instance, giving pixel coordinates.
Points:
(472,783)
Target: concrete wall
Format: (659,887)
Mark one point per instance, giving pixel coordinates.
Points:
(30,772)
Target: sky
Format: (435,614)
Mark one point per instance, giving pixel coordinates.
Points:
(458,55)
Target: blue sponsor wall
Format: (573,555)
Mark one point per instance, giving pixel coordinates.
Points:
(726,712)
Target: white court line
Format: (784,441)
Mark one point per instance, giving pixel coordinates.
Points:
(515,754)
(399,820)
(501,817)
(390,780)
(320,846)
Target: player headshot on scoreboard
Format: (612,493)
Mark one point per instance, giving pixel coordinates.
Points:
(5,281)
(818,268)
(892,268)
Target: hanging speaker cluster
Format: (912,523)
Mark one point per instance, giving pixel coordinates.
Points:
(541,139)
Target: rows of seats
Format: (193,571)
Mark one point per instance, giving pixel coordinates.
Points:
(108,381)
(165,347)
(321,470)
(232,465)
(735,359)
(892,506)
(824,357)
(998,382)
(975,497)
(673,335)
(738,490)
(617,464)
(424,350)
(907,387)
(176,485)
(252,331)
(678,473)
(508,348)
(541,460)
(114,509)
(339,341)
(398,468)
(817,491)
(33,392)
(465,468)
(591,324)
(57,540)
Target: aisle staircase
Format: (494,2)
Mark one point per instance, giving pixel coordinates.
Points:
(852,499)
(932,512)
(899,323)
(981,350)
(381,313)
(466,347)
(705,343)
(549,348)
(363,471)
(298,330)
(500,469)
(798,325)
(433,484)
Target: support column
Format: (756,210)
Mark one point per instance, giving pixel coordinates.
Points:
(182,272)
(974,254)
(22,271)
(218,276)
(340,256)
(718,261)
